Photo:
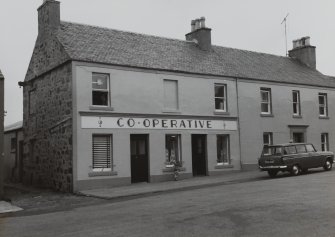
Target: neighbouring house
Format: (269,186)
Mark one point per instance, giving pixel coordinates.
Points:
(105,107)
(13,150)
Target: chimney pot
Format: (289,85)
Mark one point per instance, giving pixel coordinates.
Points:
(202,22)
(192,25)
(197,24)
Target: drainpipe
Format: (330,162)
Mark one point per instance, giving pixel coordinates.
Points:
(238,122)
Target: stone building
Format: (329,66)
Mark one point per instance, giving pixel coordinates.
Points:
(104,107)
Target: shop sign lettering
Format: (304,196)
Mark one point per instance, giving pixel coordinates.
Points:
(155,123)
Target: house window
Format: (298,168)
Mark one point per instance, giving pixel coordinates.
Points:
(102,153)
(220,97)
(171,94)
(172,148)
(323,104)
(296,103)
(324,142)
(100,89)
(267,140)
(223,151)
(13,142)
(266,101)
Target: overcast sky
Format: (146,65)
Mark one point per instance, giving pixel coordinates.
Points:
(251,25)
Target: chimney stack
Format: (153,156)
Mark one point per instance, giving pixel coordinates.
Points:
(48,17)
(304,52)
(200,33)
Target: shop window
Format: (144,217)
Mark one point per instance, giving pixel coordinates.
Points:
(266,101)
(223,149)
(13,142)
(173,148)
(324,142)
(267,141)
(296,103)
(220,97)
(323,105)
(102,153)
(100,89)
(171,95)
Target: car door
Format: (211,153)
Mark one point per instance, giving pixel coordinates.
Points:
(303,160)
(314,158)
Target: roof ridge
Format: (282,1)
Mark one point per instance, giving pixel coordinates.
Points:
(129,32)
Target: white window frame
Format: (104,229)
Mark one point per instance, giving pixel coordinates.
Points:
(324,142)
(296,104)
(223,98)
(220,157)
(269,138)
(266,102)
(324,106)
(109,152)
(101,90)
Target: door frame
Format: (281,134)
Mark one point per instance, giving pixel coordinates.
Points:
(146,138)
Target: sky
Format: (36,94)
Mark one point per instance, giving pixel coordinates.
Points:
(250,25)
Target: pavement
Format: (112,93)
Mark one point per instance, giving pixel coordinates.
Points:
(140,189)
(6,207)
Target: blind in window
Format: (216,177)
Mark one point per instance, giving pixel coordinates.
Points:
(101,152)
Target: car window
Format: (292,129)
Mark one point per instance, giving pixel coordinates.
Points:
(301,148)
(310,148)
(290,150)
(272,150)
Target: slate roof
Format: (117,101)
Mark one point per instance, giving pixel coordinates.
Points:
(109,46)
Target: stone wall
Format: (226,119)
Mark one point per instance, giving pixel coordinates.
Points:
(47,127)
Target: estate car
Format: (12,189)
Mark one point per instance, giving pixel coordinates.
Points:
(295,158)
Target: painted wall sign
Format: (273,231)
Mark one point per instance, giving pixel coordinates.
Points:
(155,123)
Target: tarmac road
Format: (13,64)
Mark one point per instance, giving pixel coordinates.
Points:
(284,206)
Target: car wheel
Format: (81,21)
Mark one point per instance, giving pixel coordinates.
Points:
(295,170)
(272,173)
(328,165)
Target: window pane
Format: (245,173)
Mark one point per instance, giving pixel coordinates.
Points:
(219,91)
(266,139)
(101,150)
(265,108)
(100,81)
(265,96)
(219,104)
(301,148)
(322,110)
(295,96)
(141,147)
(290,150)
(295,108)
(100,98)
(321,99)
(310,148)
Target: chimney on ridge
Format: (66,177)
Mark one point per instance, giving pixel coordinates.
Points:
(200,34)
(48,17)
(304,52)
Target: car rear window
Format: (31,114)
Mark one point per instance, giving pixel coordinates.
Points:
(301,148)
(290,150)
(272,150)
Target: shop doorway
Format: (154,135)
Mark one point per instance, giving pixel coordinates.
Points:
(139,158)
(199,155)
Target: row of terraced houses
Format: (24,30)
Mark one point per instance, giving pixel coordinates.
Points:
(105,107)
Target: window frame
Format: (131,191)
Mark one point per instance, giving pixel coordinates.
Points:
(270,138)
(296,104)
(324,106)
(101,90)
(324,142)
(111,161)
(220,157)
(268,102)
(224,98)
